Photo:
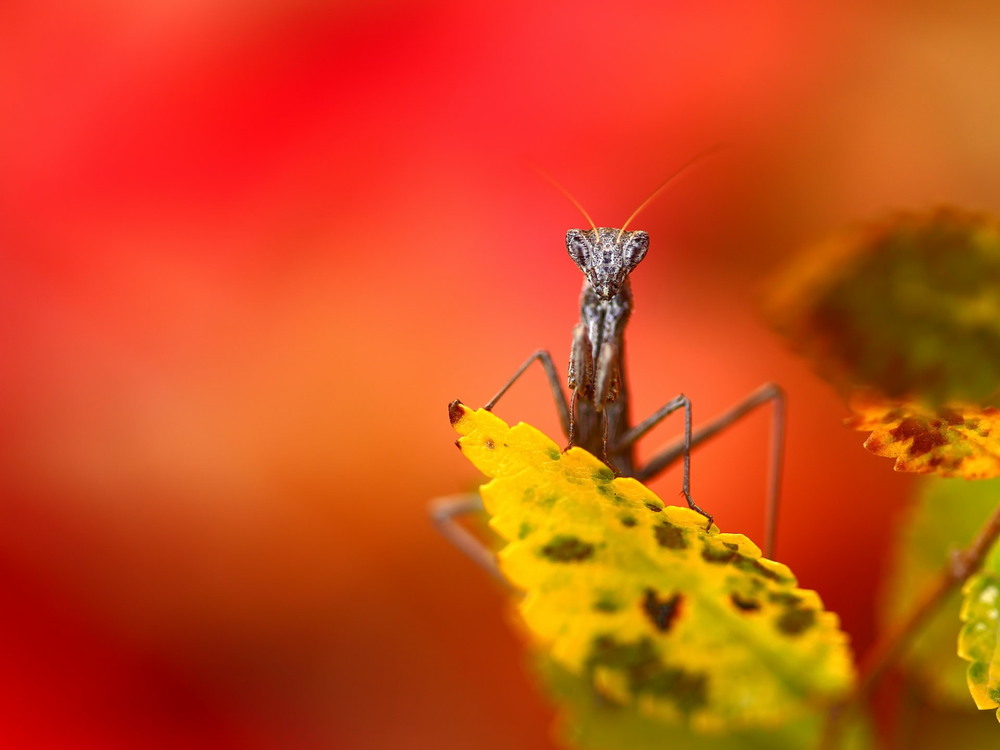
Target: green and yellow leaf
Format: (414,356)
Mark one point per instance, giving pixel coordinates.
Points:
(956,440)
(977,641)
(945,516)
(685,624)
(589,722)
(909,306)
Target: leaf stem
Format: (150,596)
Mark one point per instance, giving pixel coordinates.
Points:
(891,644)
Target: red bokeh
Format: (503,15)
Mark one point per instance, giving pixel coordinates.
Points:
(250,253)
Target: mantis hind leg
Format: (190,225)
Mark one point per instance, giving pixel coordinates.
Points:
(769,392)
(445,512)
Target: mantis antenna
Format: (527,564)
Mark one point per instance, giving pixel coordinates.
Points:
(558,186)
(711,151)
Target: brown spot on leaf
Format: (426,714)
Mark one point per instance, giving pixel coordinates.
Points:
(907,429)
(489,444)
(565,548)
(653,507)
(924,438)
(795,620)
(950,416)
(661,612)
(721,555)
(925,443)
(744,603)
(755,566)
(670,536)
(455,411)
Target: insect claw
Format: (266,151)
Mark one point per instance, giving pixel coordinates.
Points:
(692,506)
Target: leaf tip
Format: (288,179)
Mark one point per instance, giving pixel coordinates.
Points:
(456,410)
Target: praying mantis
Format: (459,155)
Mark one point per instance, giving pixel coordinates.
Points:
(596,415)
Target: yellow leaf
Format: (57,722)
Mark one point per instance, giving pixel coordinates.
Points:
(909,305)
(653,610)
(955,440)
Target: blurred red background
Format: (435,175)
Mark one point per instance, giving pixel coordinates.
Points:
(250,251)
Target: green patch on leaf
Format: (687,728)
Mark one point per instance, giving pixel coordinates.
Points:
(589,720)
(646,674)
(565,548)
(603,474)
(607,603)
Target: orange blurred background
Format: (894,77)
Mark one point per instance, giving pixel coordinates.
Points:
(250,251)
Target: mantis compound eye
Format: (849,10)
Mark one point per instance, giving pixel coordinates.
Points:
(634,248)
(579,247)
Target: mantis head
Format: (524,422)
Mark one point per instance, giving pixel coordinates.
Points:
(607,256)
